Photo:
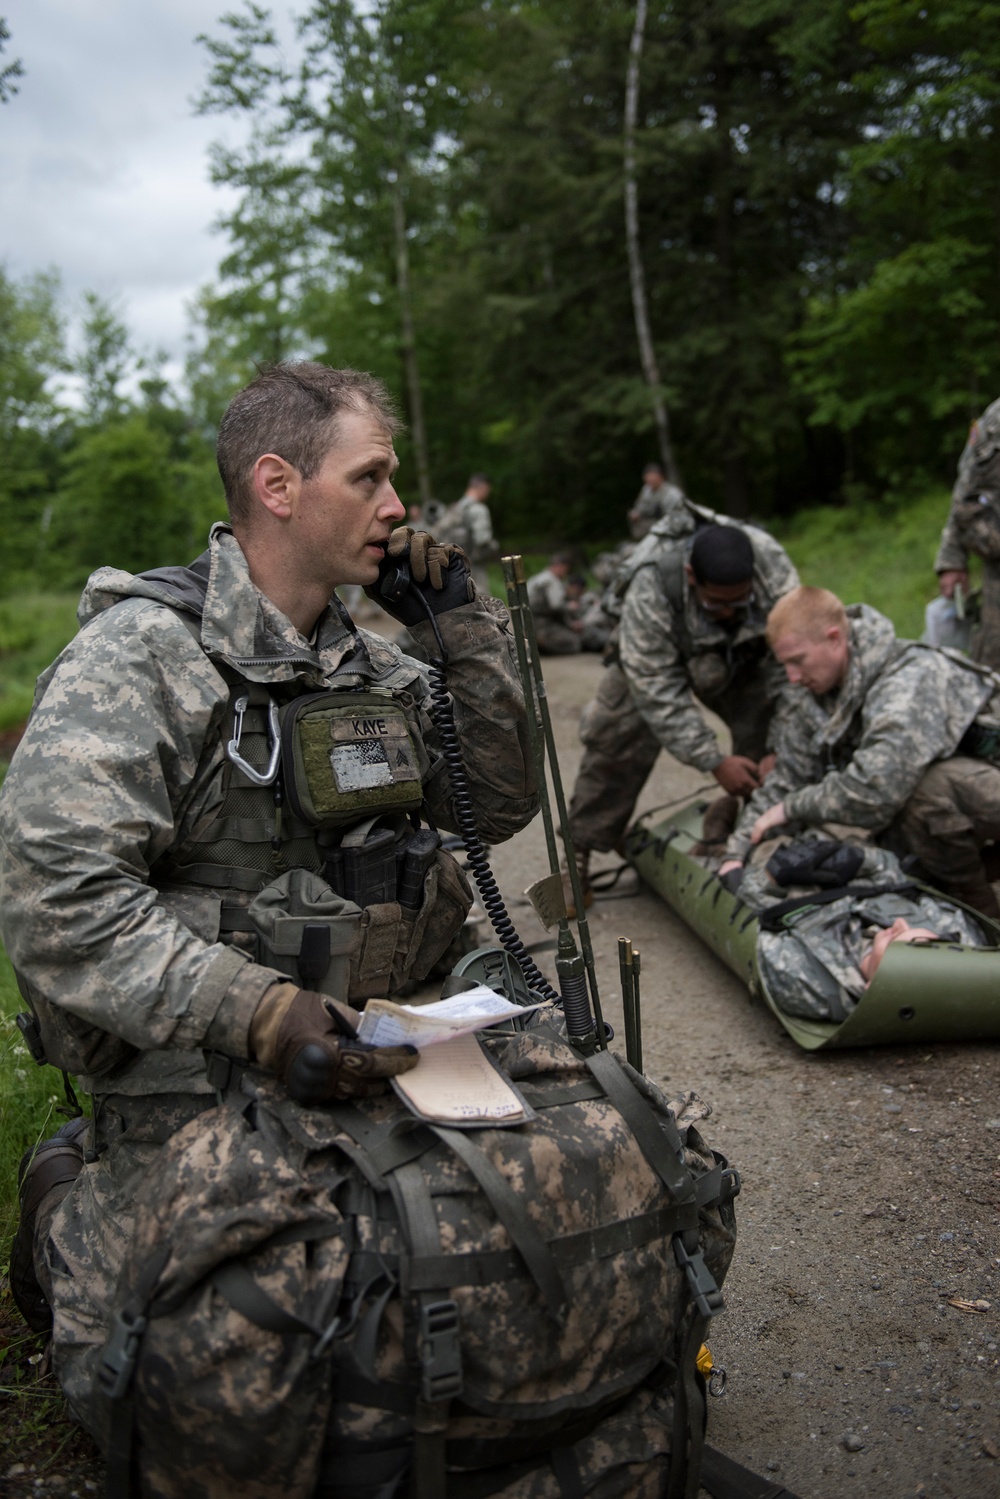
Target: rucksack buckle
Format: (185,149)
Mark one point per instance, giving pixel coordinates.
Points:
(28,1026)
(114,1373)
(701,1282)
(440,1352)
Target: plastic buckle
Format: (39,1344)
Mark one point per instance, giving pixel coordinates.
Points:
(28,1026)
(732,1186)
(219,1070)
(707,1296)
(440,1352)
(114,1373)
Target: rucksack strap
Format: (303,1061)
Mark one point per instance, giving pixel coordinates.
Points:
(510,1209)
(438,1349)
(726,1479)
(773,918)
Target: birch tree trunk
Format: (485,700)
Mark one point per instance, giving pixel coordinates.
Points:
(637,276)
(409,343)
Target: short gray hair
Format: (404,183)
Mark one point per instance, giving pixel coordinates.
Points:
(292,410)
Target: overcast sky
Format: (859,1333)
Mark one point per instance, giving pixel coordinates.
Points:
(103,166)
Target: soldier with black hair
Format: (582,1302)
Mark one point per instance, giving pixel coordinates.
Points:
(692,630)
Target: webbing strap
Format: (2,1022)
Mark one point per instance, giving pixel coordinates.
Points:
(542,1097)
(690,1415)
(772,919)
(114,1376)
(726,1479)
(387,1147)
(437,1337)
(510,1209)
(241,1290)
(567,1471)
(649,1135)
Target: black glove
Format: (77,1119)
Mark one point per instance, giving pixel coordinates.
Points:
(822,862)
(417,567)
(317,1062)
(732,879)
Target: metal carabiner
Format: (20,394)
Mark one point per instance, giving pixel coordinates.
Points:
(259,777)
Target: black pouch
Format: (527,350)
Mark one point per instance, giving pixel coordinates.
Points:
(824,862)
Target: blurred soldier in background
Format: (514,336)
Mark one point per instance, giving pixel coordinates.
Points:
(656,499)
(468,524)
(973,525)
(557,630)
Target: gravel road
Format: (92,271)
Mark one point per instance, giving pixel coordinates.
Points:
(871,1195)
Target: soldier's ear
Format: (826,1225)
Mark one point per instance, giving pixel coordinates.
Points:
(277,485)
(689,574)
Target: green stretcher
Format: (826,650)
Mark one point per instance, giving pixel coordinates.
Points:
(920,993)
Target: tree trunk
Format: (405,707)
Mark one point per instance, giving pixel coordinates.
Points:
(409,343)
(637,277)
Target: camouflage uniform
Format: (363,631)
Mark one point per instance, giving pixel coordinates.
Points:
(668,652)
(973,525)
(652,505)
(468,524)
(120,771)
(550,615)
(890,747)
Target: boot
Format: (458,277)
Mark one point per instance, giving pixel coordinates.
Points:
(583,869)
(717,824)
(979,894)
(48,1168)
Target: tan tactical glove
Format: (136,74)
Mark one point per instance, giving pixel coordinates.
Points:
(438,573)
(306,1040)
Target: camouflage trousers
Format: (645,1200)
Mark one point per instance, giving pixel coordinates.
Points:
(620,752)
(986,640)
(80,1247)
(555,639)
(953,812)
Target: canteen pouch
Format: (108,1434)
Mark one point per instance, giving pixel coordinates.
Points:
(346,755)
(329,944)
(307,931)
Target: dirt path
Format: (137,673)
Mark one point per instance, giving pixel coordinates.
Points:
(871,1195)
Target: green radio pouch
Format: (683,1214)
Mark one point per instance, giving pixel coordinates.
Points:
(346,755)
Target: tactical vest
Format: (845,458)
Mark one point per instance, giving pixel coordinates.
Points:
(342,894)
(313,852)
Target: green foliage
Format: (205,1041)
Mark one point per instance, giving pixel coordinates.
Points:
(871,554)
(29,1098)
(11,70)
(34,628)
(117,505)
(104,361)
(900,349)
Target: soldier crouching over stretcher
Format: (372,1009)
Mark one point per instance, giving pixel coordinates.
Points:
(214,819)
(881,734)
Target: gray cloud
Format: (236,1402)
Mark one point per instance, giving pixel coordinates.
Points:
(103,167)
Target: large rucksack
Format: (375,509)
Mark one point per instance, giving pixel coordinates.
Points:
(348,1303)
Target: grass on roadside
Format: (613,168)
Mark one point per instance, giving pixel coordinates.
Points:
(34,627)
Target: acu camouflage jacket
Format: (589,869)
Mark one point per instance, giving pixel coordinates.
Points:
(662,647)
(122,765)
(857,755)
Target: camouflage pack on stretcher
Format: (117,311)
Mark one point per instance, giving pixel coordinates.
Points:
(347,1302)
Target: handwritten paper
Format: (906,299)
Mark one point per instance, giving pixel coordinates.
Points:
(456,1083)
